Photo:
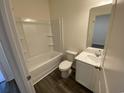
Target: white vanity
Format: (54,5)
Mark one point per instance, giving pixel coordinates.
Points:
(88,64)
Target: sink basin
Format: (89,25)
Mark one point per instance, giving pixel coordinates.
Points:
(93,58)
(89,58)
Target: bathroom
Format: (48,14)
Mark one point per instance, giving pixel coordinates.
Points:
(63,44)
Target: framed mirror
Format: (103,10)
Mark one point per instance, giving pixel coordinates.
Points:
(98,28)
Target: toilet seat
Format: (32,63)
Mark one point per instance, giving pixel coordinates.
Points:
(65,65)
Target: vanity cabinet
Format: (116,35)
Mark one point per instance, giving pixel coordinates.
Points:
(90,77)
(86,75)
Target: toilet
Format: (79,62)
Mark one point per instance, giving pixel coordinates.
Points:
(65,66)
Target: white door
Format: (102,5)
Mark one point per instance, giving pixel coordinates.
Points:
(112,76)
(12,48)
(114,61)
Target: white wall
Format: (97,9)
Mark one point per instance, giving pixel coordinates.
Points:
(75,15)
(35,9)
(114,63)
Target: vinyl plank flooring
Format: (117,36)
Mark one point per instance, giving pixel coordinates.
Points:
(53,83)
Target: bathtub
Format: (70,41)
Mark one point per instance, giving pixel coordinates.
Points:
(42,65)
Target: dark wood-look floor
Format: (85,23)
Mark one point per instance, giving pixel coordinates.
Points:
(9,87)
(53,83)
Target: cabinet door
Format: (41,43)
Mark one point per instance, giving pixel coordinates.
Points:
(85,75)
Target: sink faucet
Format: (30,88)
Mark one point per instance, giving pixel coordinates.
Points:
(98,53)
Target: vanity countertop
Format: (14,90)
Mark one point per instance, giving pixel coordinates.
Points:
(89,58)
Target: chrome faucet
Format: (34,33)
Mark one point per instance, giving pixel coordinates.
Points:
(98,53)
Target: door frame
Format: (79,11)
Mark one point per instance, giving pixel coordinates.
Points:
(18,64)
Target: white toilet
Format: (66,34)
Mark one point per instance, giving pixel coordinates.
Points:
(65,66)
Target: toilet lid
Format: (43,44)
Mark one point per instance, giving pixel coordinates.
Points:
(65,65)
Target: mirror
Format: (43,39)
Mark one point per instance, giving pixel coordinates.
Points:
(99,22)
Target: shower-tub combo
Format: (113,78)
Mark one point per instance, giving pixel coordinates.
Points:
(41,43)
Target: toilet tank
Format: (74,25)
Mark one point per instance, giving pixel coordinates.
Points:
(70,55)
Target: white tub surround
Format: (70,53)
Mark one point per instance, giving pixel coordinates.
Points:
(39,42)
(42,65)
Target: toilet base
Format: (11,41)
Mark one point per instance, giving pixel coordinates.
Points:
(66,74)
